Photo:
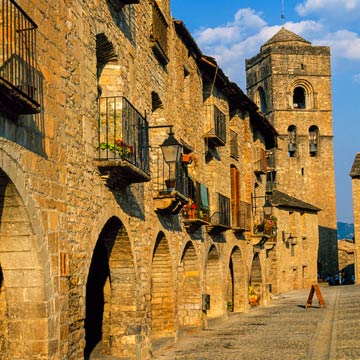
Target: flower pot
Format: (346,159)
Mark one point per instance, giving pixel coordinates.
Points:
(186,158)
(170,184)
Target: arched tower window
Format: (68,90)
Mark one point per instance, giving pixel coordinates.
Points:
(292,140)
(313,140)
(262,100)
(299,96)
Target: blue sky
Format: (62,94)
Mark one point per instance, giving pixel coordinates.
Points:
(233,30)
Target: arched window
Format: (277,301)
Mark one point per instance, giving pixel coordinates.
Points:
(262,100)
(299,96)
(292,140)
(313,140)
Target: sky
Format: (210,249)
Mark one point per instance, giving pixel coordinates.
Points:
(233,30)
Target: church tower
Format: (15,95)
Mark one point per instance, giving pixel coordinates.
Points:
(290,81)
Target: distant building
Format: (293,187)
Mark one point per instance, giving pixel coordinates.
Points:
(346,255)
(355,176)
(290,80)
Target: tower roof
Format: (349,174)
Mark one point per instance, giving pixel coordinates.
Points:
(286,37)
(355,169)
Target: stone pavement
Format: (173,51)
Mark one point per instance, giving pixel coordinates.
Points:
(282,330)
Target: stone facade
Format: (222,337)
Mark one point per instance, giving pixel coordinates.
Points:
(346,255)
(355,182)
(100,250)
(290,80)
(291,264)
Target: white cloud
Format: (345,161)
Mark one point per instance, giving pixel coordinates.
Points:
(245,21)
(343,43)
(342,10)
(310,6)
(242,38)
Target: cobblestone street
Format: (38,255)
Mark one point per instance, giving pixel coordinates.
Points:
(283,330)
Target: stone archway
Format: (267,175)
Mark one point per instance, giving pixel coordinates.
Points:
(112,323)
(236,282)
(214,285)
(189,294)
(23,304)
(162,292)
(256,281)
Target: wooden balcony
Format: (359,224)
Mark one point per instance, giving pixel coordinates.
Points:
(159,33)
(216,124)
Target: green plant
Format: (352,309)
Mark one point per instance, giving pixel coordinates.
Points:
(123,149)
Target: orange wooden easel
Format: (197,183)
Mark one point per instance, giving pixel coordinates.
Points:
(315,289)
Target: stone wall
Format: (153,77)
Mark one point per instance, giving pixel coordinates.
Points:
(278,69)
(86,267)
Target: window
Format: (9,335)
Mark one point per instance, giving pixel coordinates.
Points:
(292,140)
(299,98)
(313,140)
(262,100)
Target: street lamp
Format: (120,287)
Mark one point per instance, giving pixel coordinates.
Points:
(268,208)
(171,149)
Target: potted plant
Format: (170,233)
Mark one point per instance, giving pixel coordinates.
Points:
(253,298)
(118,148)
(189,211)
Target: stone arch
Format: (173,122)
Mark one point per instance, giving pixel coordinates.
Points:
(189,293)
(302,95)
(162,291)
(24,309)
(255,280)
(214,285)
(236,282)
(314,140)
(111,322)
(260,99)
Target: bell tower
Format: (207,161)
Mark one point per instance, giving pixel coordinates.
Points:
(290,81)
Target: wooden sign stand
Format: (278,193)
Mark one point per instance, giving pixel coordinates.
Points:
(315,289)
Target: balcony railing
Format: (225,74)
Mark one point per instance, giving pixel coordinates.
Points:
(220,219)
(169,177)
(20,81)
(123,141)
(159,33)
(216,124)
(241,216)
(196,211)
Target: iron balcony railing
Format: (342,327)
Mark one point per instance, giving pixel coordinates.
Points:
(159,33)
(169,177)
(18,51)
(122,133)
(234,146)
(221,217)
(241,216)
(216,121)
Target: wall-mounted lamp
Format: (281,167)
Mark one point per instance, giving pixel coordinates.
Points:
(287,237)
(268,208)
(170,148)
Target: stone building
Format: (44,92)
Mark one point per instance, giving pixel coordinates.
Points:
(292,262)
(105,247)
(290,80)
(355,182)
(346,256)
